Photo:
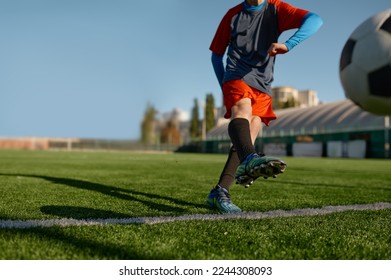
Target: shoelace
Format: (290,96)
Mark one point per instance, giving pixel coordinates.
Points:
(223,196)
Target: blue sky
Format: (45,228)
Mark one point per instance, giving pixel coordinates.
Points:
(88,68)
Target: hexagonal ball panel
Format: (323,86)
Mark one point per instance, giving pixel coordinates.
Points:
(347,54)
(386,26)
(380,82)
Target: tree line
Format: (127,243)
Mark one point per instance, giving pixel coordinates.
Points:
(154,131)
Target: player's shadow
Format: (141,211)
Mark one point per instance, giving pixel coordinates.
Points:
(77,212)
(86,245)
(120,193)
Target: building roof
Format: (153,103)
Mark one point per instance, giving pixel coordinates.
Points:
(338,116)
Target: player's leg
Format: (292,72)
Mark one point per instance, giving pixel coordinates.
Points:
(255,127)
(219,198)
(243,130)
(239,128)
(227,176)
(254,165)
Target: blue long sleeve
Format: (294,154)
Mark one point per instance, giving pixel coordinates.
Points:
(311,24)
(218,66)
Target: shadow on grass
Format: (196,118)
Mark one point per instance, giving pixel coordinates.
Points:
(69,237)
(120,193)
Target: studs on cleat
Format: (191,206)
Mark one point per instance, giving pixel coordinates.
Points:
(251,170)
(245,181)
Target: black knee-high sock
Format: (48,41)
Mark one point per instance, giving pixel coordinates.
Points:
(227,176)
(239,132)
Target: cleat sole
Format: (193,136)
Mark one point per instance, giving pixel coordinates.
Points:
(272,168)
(245,181)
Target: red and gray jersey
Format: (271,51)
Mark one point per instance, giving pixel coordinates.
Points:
(248,36)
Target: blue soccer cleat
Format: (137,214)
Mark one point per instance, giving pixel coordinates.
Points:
(255,166)
(219,199)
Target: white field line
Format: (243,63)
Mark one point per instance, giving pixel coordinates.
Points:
(24,224)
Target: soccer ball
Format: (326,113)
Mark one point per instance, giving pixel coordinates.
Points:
(365,65)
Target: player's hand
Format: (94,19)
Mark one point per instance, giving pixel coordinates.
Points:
(277,48)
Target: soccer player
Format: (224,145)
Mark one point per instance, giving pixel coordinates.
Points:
(249,34)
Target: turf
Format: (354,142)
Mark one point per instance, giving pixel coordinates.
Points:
(95,185)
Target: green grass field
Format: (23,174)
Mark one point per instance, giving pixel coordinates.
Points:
(102,185)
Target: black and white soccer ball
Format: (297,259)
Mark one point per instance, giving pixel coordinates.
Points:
(365,65)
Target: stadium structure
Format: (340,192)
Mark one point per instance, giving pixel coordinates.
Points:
(335,129)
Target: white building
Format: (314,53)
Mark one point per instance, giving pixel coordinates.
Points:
(305,98)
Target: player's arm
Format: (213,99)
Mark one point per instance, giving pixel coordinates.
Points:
(218,67)
(277,48)
(310,25)
(221,41)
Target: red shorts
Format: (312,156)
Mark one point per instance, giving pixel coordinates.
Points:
(261,102)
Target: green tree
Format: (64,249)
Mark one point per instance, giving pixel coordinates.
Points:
(289,103)
(195,121)
(170,134)
(148,125)
(209,112)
